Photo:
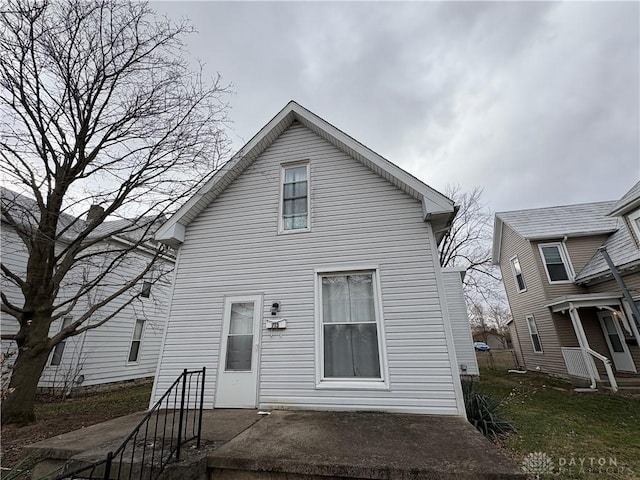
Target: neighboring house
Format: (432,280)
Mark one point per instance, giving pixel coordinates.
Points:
(308,277)
(570,315)
(126,347)
(495,340)
(459,318)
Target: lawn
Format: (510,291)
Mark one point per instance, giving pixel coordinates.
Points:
(55,418)
(578,431)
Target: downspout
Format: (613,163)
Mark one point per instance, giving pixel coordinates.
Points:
(623,287)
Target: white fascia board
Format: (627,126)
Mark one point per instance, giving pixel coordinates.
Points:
(192,205)
(172,235)
(497,240)
(435,201)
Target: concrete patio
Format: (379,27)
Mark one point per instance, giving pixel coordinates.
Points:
(240,444)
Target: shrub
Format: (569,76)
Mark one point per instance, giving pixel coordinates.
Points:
(483,412)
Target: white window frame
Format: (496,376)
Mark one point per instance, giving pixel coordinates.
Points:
(512,260)
(531,333)
(61,345)
(350,383)
(634,220)
(283,167)
(564,255)
(144,327)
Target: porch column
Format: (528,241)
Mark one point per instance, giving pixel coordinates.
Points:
(583,342)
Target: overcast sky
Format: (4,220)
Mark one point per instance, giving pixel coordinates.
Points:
(537,103)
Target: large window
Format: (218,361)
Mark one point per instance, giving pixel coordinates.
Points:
(136,340)
(294,214)
(58,350)
(517,274)
(556,262)
(533,332)
(350,336)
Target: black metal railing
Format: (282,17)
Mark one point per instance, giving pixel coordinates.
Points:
(157,440)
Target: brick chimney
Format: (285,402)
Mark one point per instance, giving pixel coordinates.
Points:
(94,212)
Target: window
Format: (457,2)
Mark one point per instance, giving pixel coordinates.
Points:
(134,352)
(533,331)
(517,273)
(146,289)
(240,338)
(349,327)
(58,350)
(556,262)
(634,220)
(295,198)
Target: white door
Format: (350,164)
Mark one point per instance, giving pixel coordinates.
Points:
(615,340)
(238,364)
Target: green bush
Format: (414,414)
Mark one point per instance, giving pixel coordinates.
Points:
(483,412)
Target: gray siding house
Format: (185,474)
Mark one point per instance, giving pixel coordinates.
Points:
(308,277)
(570,315)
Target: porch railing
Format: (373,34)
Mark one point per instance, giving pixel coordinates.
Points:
(576,363)
(174,420)
(580,363)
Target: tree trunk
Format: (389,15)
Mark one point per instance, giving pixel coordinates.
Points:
(18,407)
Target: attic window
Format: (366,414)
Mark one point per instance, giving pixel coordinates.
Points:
(294,207)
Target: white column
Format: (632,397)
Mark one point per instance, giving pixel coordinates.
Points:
(584,343)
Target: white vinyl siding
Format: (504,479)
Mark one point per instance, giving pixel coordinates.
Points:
(459,319)
(99,355)
(233,248)
(533,333)
(556,262)
(517,275)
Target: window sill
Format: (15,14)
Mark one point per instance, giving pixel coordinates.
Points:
(352,385)
(290,232)
(560,282)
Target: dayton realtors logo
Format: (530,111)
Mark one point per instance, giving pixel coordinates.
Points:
(538,463)
(541,465)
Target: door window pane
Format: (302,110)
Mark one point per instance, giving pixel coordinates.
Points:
(612,333)
(240,337)
(239,350)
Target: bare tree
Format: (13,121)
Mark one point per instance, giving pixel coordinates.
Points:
(98,108)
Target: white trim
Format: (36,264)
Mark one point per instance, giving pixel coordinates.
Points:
(156,377)
(256,359)
(448,331)
(531,334)
(566,261)
(515,274)
(144,325)
(283,167)
(350,383)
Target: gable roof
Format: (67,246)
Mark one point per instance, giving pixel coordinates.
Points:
(628,202)
(555,222)
(436,207)
(623,251)
(25,211)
